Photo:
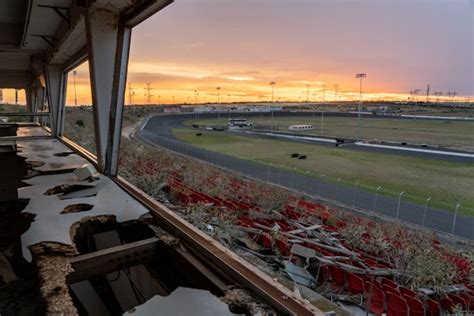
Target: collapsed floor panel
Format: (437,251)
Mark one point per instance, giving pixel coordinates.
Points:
(57,230)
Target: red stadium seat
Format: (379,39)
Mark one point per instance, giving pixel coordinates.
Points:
(458,301)
(432,307)
(415,306)
(469,299)
(355,284)
(396,305)
(338,277)
(390,283)
(404,291)
(374,297)
(389,288)
(446,304)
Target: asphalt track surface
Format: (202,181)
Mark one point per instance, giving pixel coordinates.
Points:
(158,131)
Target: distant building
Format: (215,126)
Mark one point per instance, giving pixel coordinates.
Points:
(174,109)
(239,123)
(301,127)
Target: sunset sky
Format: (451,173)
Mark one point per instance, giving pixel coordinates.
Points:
(242,45)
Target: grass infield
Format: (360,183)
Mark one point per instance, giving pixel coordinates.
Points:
(420,178)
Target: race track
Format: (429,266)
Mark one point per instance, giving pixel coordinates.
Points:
(158,131)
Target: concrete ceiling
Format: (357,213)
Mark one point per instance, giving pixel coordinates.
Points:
(39,12)
(12,20)
(53,31)
(22,22)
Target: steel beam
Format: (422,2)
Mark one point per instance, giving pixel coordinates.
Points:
(108,42)
(147,9)
(76,60)
(112,259)
(13,79)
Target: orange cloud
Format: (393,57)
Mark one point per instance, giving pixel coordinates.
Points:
(187,83)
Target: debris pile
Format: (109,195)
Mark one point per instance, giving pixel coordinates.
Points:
(372,265)
(52,260)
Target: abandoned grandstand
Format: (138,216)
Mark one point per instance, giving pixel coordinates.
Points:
(78,239)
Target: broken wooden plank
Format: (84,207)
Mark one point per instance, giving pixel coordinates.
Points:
(304,229)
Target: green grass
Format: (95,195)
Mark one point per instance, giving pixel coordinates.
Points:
(420,178)
(449,134)
(15,108)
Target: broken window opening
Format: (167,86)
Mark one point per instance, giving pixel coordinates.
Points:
(148,271)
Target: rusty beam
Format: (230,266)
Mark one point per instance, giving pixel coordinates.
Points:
(146,10)
(111,259)
(84,153)
(210,275)
(209,250)
(228,263)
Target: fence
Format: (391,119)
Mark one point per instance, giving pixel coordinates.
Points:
(423,215)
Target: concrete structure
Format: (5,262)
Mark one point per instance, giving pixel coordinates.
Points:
(40,43)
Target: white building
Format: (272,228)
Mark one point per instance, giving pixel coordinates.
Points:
(301,127)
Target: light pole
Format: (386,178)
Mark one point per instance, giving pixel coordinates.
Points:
(307,93)
(195,96)
(218,94)
(455,216)
(337,183)
(293,177)
(376,194)
(218,101)
(415,93)
(360,76)
(321,182)
(74,73)
(306,187)
(272,83)
(268,171)
(399,202)
(322,118)
(426,208)
(355,192)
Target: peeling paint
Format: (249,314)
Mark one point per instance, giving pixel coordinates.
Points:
(48,225)
(67,188)
(75,208)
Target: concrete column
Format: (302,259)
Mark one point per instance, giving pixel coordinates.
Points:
(108,41)
(38,104)
(34,97)
(40,94)
(56,84)
(30,98)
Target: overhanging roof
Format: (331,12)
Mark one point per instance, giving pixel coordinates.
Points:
(54,30)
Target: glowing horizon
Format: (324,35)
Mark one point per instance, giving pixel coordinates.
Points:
(241,46)
(180,86)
